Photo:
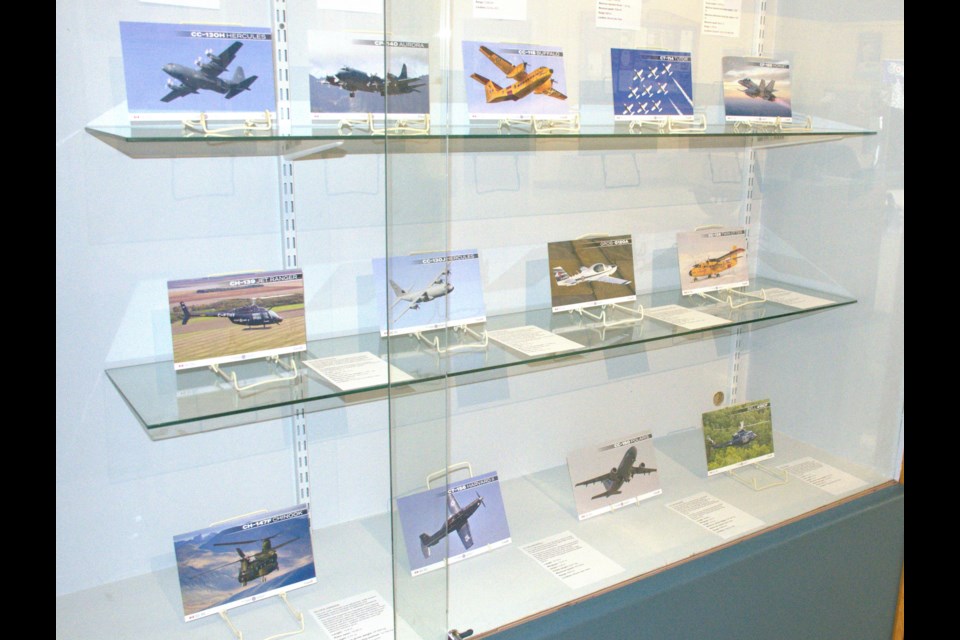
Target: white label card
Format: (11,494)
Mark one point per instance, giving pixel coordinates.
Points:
(683,317)
(721,18)
(715,515)
(363,617)
(356,371)
(572,560)
(363,6)
(619,14)
(830,479)
(500,9)
(532,341)
(794,299)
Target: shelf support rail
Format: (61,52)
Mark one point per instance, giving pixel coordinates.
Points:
(296,613)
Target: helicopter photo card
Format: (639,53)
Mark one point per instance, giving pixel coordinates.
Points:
(175,72)
(614,474)
(651,84)
(712,259)
(426,291)
(233,563)
(514,81)
(591,272)
(737,435)
(347,76)
(234,317)
(449,524)
(756,89)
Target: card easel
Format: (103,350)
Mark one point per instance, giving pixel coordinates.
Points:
(201,125)
(636,314)
(697,123)
(779,124)
(570,124)
(418,125)
(460,330)
(782,477)
(231,376)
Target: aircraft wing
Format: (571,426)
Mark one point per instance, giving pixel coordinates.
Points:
(213,69)
(605,478)
(178,92)
(610,280)
(553,93)
(453,506)
(465,536)
(641,470)
(504,66)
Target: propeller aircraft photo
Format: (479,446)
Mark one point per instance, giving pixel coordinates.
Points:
(457,521)
(438,288)
(539,81)
(353,80)
(206,76)
(713,267)
(598,272)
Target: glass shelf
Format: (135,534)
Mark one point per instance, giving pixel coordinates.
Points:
(311,141)
(170,403)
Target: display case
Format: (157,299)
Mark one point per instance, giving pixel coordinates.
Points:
(345,195)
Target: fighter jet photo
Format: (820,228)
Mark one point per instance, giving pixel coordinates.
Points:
(614,480)
(763,91)
(206,76)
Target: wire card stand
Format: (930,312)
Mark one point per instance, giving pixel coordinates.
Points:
(201,125)
(805,124)
(697,123)
(606,310)
(231,377)
(460,331)
(296,613)
(782,477)
(418,125)
(747,297)
(569,124)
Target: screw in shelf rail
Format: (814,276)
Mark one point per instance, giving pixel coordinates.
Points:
(232,376)
(200,125)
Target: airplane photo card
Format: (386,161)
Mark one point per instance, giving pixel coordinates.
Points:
(235,317)
(429,291)
(614,475)
(756,89)
(174,72)
(449,524)
(347,76)
(591,272)
(712,259)
(651,84)
(737,436)
(514,81)
(241,561)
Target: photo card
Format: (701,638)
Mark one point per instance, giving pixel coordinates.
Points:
(475,522)
(614,474)
(233,563)
(347,76)
(712,259)
(756,89)
(429,291)
(514,81)
(175,72)
(234,317)
(737,435)
(591,272)
(651,84)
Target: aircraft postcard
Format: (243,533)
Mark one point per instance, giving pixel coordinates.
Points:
(514,81)
(712,260)
(737,435)
(614,475)
(444,525)
(756,89)
(429,291)
(591,272)
(239,561)
(651,84)
(347,76)
(178,71)
(235,317)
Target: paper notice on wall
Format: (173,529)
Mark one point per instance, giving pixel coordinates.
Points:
(684,317)
(363,617)
(618,14)
(830,479)
(572,560)
(500,9)
(715,515)
(721,18)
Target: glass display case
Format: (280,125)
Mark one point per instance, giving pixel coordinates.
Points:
(350,183)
